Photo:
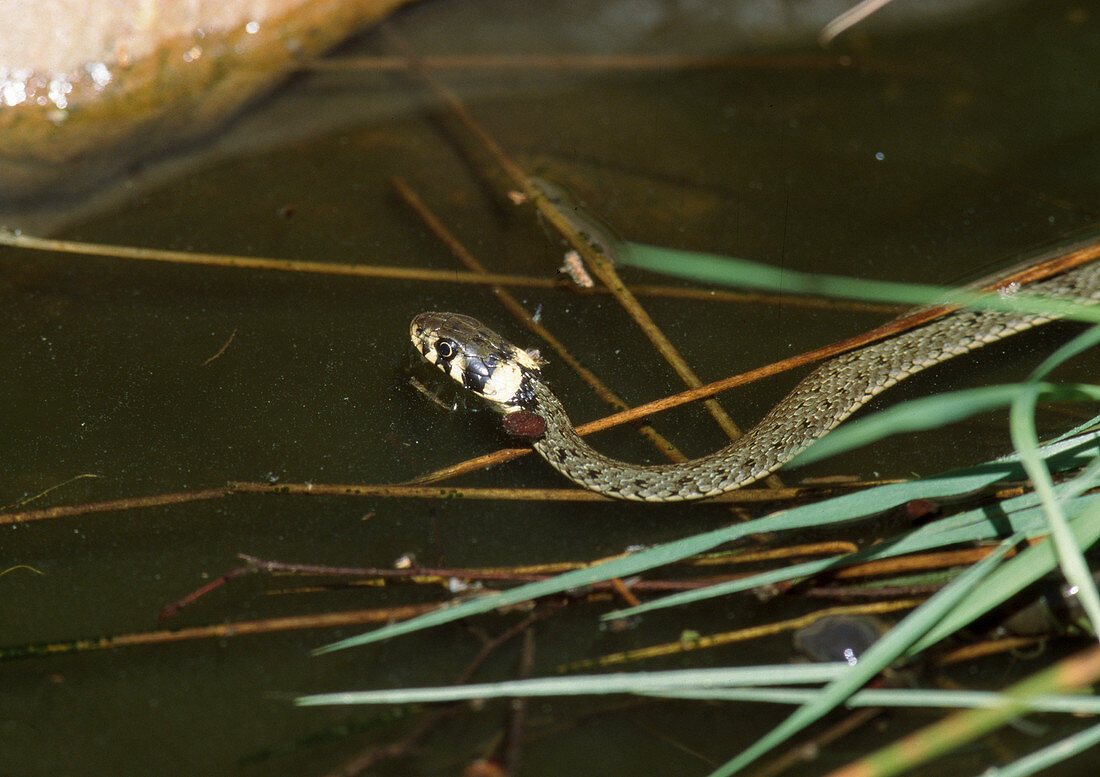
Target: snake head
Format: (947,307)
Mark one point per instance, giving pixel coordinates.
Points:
(476,357)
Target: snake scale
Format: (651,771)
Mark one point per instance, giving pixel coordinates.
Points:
(510,380)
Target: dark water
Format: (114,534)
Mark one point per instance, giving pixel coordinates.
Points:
(934,154)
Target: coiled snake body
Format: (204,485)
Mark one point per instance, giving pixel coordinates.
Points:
(509,378)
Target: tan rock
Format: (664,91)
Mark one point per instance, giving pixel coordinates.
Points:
(88,86)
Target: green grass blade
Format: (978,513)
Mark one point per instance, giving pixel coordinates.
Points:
(725,684)
(907,698)
(1049,755)
(932,412)
(1090,425)
(877,657)
(579,685)
(727,271)
(1026,439)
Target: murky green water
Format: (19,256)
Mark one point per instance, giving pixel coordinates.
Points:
(940,154)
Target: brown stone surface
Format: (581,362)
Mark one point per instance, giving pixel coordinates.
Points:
(88,86)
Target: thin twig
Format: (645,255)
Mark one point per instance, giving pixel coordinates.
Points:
(784,553)
(221,630)
(740,635)
(920,562)
(517,575)
(32,243)
(987,648)
(392,491)
(171,610)
(263,263)
(415,492)
(741,496)
(40,494)
(760,298)
(866,593)
(222,349)
(110,505)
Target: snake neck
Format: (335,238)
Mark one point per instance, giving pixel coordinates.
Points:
(566,451)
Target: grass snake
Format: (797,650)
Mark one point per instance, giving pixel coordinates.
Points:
(510,380)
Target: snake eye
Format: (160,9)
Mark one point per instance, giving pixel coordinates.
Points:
(445,348)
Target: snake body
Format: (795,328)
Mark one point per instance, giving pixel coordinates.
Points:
(510,379)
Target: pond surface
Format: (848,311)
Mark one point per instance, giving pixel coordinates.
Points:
(930,154)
